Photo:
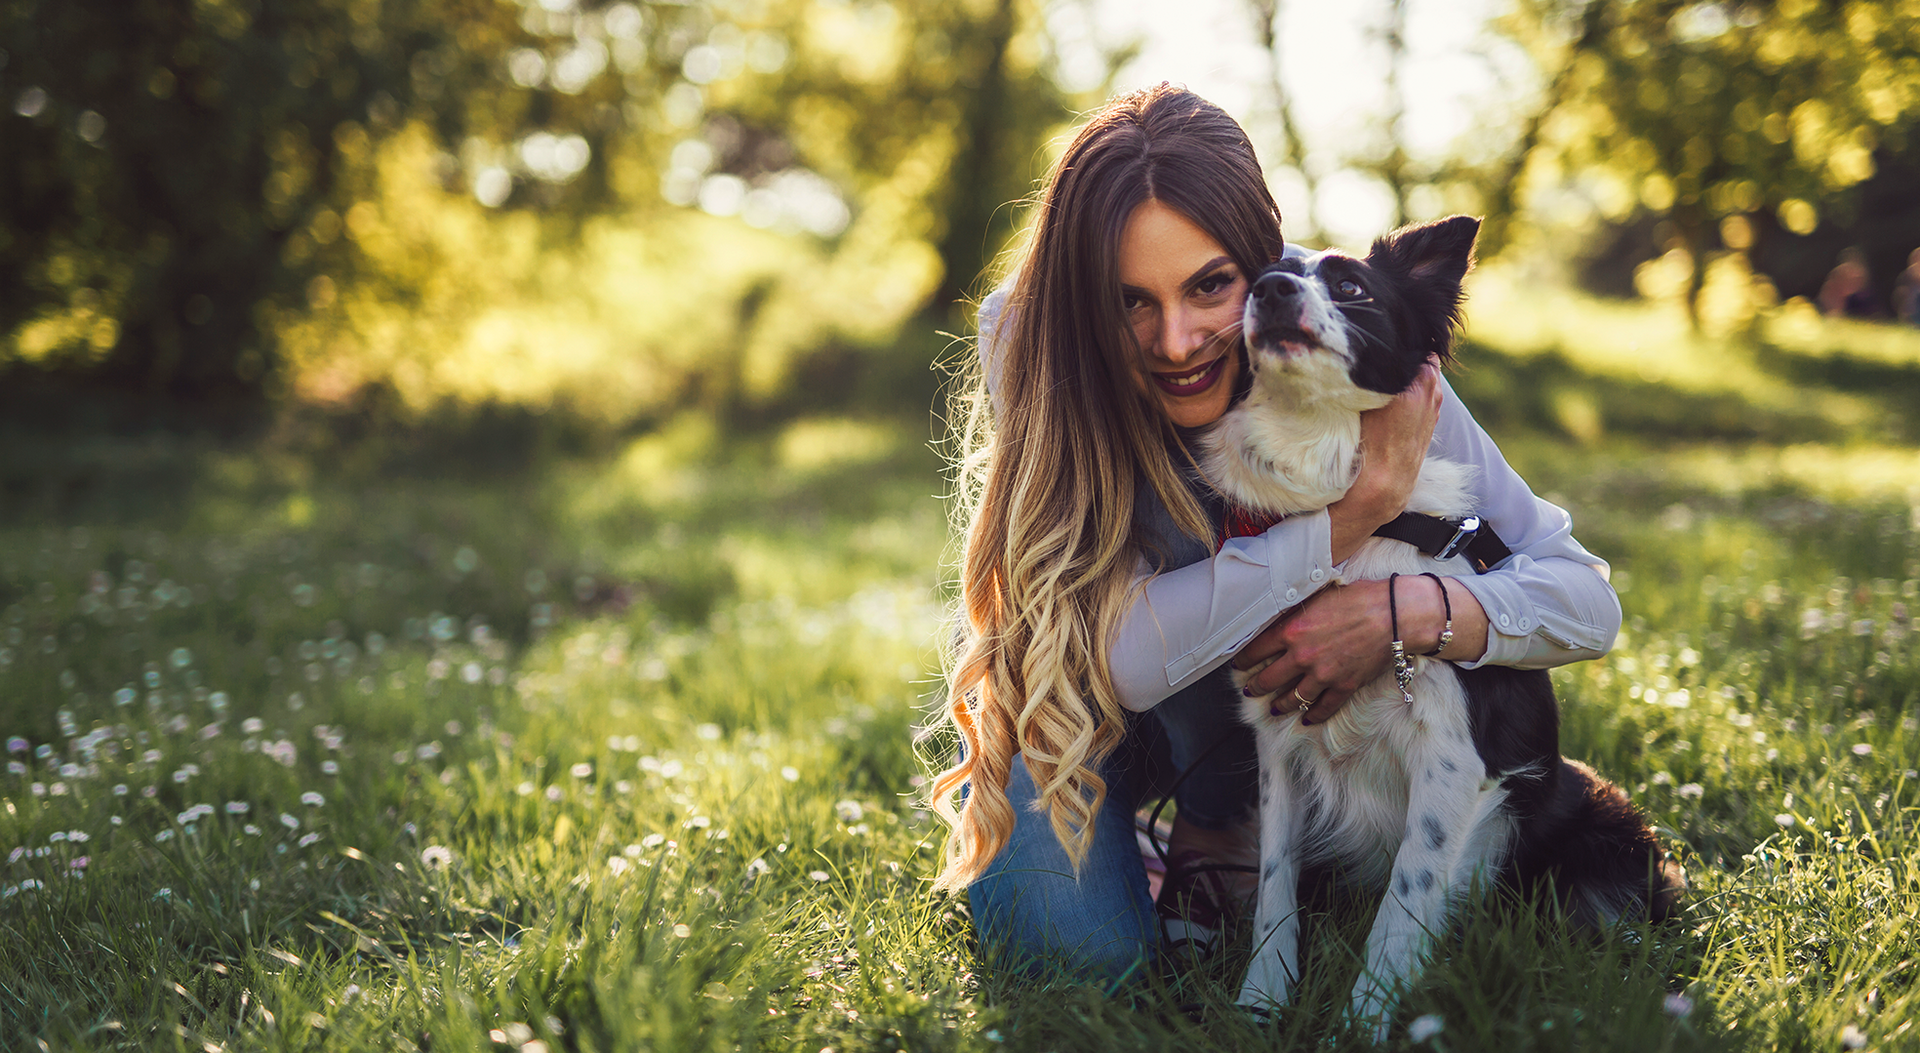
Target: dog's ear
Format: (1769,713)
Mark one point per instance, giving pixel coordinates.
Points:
(1438,251)
(1432,259)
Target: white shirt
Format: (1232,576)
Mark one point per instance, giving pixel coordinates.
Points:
(1549,604)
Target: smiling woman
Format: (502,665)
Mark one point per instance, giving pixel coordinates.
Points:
(1097,595)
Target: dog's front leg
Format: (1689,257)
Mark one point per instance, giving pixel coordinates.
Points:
(1275,966)
(1445,774)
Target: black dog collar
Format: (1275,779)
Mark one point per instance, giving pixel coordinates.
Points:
(1447,538)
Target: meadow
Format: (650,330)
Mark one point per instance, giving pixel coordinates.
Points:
(495,747)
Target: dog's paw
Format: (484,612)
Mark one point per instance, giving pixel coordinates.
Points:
(1264,992)
(1371,1011)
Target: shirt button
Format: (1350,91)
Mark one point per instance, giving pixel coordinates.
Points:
(1317,574)
(1525,625)
(1504,621)
(1292,595)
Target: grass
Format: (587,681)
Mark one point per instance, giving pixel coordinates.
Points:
(613,752)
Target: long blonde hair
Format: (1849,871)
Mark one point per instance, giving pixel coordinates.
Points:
(1046,469)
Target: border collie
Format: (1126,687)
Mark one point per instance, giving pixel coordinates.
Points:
(1464,786)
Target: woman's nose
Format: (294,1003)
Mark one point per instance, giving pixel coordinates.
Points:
(1181,334)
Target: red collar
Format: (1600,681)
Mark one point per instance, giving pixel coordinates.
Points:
(1245,522)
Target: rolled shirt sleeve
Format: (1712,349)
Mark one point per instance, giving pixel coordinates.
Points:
(1185,623)
(1548,604)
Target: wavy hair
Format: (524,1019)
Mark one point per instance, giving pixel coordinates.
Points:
(1046,468)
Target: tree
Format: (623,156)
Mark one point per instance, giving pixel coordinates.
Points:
(184,176)
(1711,113)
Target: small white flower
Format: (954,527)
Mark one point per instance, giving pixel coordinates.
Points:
(849,811)
(307,839)
(237,807)
(623,786)
(1425,1027)
(1861,749)
(619,865)
(1852,1037)
(756,868)
(682,931)
(436,857)
(790,773)
(554,794)
(582,770)
(698,822)
(818,875)
(1784,819)
(312,798)
(1679,1006)
(1692,790)
(119,789)
(253,725)
(250,830)
(653,840)
(289,821)
(329,767)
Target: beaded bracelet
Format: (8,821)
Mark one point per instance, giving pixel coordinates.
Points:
(1446,634)
(1402,666)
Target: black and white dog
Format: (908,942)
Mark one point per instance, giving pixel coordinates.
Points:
(1465,786)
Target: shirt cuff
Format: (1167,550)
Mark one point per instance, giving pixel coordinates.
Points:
(1510,617)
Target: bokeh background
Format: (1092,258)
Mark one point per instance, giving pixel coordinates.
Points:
(472,546)
(612,210)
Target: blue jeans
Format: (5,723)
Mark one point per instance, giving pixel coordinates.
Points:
(1029,910)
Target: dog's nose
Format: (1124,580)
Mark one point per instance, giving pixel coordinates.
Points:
(1273,287)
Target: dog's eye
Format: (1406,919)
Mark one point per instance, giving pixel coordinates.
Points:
(1349,289)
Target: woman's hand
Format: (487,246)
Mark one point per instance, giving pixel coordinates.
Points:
(1340,639)
(1393,445)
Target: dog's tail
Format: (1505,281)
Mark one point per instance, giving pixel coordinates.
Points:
(1596,850)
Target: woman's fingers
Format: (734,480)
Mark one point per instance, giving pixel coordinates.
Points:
(1326,649)
(1266,644)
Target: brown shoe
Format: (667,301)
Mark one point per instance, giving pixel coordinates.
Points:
(1198,903)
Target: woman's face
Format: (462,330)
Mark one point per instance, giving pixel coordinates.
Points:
(1183,296)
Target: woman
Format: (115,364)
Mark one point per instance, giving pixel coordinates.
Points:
(1093,601)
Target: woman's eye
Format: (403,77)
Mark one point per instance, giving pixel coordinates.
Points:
(1213,284)
(1350,288)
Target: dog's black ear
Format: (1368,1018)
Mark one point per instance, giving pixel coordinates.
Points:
(1431,259)
(1441,250)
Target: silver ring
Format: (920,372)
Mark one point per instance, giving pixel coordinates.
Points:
(1305,703)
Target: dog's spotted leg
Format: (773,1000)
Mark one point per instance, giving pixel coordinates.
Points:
(1444,792)
(1275,966)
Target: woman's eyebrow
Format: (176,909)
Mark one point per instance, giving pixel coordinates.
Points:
(1205,270)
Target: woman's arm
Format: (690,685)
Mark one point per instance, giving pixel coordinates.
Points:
(1547,605)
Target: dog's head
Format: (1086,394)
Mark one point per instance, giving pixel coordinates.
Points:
(1331,322)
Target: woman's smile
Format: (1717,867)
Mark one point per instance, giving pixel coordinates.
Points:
(1190,382)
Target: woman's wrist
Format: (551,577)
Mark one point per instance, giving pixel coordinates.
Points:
(1424,615)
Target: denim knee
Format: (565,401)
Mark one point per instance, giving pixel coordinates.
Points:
(1031,911)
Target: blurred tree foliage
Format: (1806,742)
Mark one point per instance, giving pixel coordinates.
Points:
(1710,115)
(207,200)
